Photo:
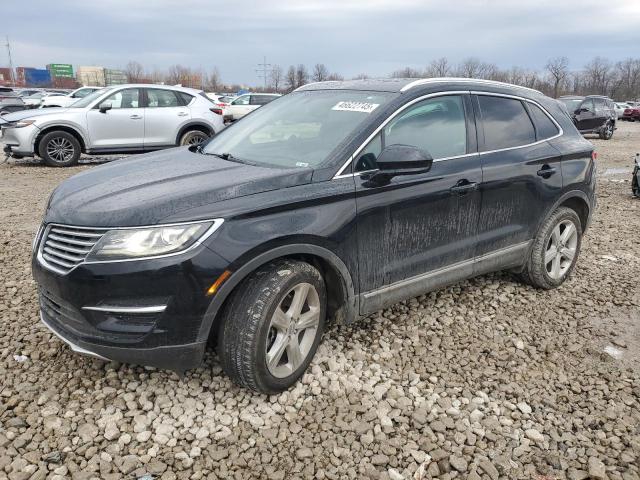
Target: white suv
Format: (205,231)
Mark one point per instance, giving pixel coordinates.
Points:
(62,100)
(244,104)
(115,119)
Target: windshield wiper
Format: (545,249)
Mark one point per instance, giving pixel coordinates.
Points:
(223,156)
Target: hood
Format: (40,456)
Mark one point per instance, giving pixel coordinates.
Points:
(22,114)
(145,189)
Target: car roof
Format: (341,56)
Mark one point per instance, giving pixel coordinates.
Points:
(153,85)
(400,85)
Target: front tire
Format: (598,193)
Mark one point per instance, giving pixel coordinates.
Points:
(273,325)
(606,132)
(193,137)
(555,250)
(59,149)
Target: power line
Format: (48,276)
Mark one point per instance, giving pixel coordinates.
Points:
(264,70)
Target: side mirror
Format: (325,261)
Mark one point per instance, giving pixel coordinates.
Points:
(104,106)
(396,160)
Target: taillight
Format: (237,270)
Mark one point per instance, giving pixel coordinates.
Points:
(216,110)
(594,155)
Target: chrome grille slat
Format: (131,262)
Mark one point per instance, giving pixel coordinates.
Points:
(73,241)
(64,247)
(68,248)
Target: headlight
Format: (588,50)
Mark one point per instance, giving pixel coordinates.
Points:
(133,243)
(24,123)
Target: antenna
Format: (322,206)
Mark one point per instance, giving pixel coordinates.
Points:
(263,70)
(13,77)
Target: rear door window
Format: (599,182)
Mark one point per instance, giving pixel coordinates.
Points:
(545,127)
(506,123)
(158,98)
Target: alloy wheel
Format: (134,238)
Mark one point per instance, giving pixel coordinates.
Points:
(197,139)
(561,249)
(60,149)
(292,330)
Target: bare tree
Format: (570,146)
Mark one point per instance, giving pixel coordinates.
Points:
(597,75)
(179,75)
(320,72)
(361,76)
(291,78)
(276,77)
(470,68)
(439,68)
(335,77)
(134,72)
(407,72)
(558,69)
(213,81)
(302,76)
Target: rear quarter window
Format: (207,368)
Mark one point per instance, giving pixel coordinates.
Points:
(506,123)
(544,125)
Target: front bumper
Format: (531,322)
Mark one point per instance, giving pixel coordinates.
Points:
(19,140)
(111,310)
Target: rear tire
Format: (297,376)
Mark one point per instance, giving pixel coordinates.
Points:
(555,250)
(193,137)
(272,326)
(59,149)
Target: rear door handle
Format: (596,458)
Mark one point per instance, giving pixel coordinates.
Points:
(463,186)
(135,117)
(183,114)
(546,171)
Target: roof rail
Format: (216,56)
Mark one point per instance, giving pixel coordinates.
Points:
(426,81)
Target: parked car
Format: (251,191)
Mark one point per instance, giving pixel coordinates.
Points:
(10,101)
(631,114)
(26,92)
(115,119)
(245,104)
(619,108)
(34,100)
(332,202)
(66,100)
(592,114)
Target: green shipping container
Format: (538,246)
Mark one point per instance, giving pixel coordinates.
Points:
(60,70)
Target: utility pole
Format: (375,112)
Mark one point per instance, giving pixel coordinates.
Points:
(263,70)
(13,77)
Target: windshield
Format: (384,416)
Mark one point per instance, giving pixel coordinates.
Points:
(572,104)
(297,130)
(89,99)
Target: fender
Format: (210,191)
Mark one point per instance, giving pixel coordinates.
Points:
(183,129)
(566,196)
(350,307)
(63,124)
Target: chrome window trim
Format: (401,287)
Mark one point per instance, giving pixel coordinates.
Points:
(426,81)
(217,222)
(516,97)
(458,92)
(339,174)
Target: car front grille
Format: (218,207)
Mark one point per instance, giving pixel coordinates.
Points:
(64,247)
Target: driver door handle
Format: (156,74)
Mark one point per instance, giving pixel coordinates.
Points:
(546,171)
(463,186)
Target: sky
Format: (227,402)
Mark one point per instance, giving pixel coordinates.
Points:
(349,36)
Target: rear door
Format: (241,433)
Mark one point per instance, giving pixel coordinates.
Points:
(521,172)
(164,114)
(586,116)
(120,127)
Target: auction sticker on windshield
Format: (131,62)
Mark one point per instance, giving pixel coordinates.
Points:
(363,107)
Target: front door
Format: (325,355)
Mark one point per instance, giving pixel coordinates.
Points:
(164,115)
(120,127)
(522,176)
(415,227)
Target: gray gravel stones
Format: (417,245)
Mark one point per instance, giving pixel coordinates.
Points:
(487,379)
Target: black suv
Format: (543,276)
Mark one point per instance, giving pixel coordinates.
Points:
(592,114)
(335,201)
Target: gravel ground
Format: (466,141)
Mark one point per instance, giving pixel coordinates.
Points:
(485,379)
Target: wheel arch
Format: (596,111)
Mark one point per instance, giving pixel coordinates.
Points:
(341,296)
(203,127)
(64,128)
(578,201)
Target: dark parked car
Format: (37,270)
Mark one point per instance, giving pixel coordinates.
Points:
(592,114)
(631,114)
(335,201)
(635,179)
